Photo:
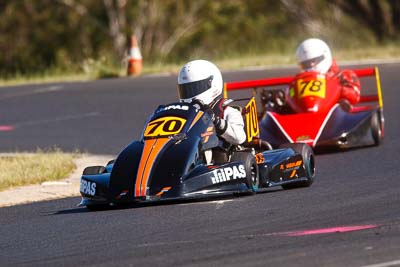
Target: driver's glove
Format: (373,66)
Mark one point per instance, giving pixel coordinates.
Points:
(220,124)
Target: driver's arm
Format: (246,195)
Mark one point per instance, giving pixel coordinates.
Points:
(234,132)
(350,86)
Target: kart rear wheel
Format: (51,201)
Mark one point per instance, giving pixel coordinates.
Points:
(308,164)
(251,168)
(377,128)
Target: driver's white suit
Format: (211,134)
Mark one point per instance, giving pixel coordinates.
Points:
(230,125)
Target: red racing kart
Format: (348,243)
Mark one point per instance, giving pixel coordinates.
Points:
(316,116)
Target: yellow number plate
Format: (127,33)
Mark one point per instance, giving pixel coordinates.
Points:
(164,126)
(252,129)
(314,87)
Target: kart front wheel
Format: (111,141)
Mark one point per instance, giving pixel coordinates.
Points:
(251,168)
(308,164)
(377,128)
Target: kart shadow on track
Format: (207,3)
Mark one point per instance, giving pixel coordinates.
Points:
(166,202)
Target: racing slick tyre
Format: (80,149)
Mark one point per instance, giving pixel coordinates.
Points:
(377,128)
(308,164)
(251,168)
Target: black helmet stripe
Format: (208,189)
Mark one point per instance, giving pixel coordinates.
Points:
(192,89)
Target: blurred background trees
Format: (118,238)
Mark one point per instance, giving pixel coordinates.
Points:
(69,34)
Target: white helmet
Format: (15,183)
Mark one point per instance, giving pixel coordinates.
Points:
(200,80)
(314,55)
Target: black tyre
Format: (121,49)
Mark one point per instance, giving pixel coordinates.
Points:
(308,164)
(377,128)
(251,168)
(92,170)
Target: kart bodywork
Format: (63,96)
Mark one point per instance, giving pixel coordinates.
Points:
(320,119)
(171,161)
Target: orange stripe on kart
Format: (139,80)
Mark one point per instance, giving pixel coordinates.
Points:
(165,189)
(152,148)
(198,116)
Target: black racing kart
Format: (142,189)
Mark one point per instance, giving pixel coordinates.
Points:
(179,157)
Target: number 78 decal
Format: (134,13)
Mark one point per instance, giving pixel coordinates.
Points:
(315,87)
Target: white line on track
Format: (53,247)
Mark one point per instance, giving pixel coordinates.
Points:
(64,118)
(385,264)
(218,203)
(23,92)
(48,89)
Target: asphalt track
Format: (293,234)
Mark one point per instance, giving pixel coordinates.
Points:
(349,217)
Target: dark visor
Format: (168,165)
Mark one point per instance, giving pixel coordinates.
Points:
(189,90)
(308,64)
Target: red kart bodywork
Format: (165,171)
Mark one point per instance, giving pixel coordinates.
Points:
(317,114)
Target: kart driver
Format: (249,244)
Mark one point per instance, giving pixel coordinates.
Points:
(314,55)
(201,80)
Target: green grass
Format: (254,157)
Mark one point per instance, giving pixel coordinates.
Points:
(21,169)
(92,69)
(387,52)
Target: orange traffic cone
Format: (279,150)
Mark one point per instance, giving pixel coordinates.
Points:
(134,58)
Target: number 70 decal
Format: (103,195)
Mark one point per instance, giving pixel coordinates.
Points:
(252,128)
(164,126)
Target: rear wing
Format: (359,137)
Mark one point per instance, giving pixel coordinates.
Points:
(262,83)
